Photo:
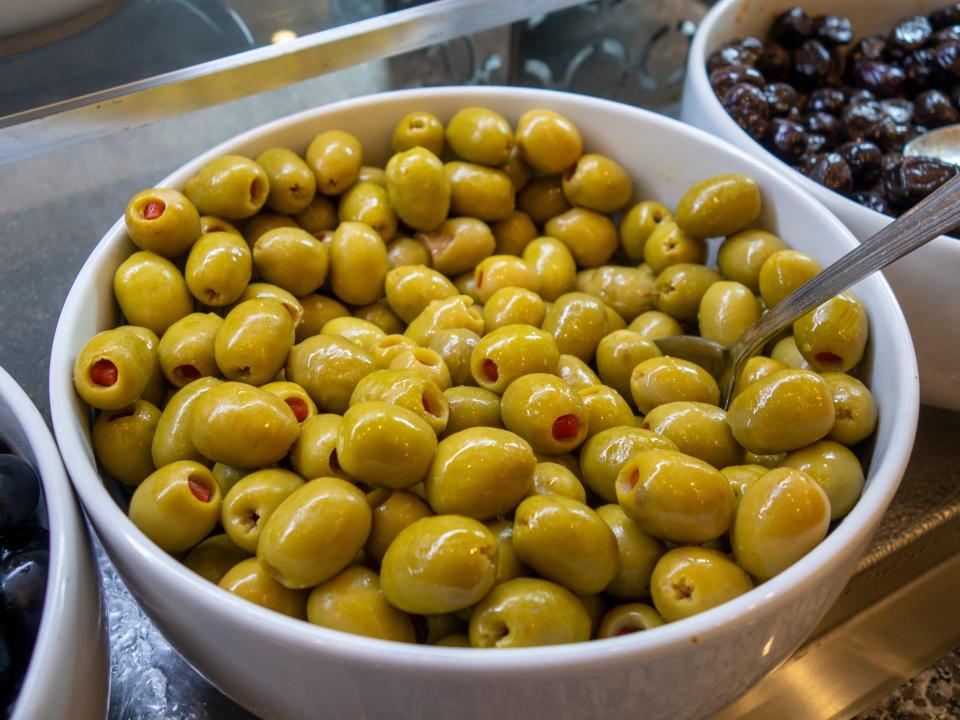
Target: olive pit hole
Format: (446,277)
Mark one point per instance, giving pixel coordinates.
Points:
(334,462)
(251,519)
(490,370)
(257,191)
(682,590)
(186,372)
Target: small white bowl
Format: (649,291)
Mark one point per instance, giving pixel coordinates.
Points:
(68,674)
(925,282)
(283,668)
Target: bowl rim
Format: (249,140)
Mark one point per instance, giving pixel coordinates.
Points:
(886,471)
(697,74)
(66,535)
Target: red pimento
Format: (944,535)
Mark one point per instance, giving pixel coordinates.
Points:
(154,209)
(200,491)
(489,368)
(188,372)
(565,427)
(426,404)
(103,373)
(299,407)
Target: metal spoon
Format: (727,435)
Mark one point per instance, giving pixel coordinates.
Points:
(942,143)
(933,216)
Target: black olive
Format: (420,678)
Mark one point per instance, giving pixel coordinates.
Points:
(950,15)
(811,64)
(951,32)
(899,109)
(859,95)
(911,33)
(882,79)
(791,28)
(787,140)
(726,77)
(749,108)
(891,136)
(864,159)
(832,29)
(781,96)
(774,62)
(868,48)
(832,171)
(934,109)
(824,124)
(947,57)
(817,143)
(908,180)
(830,100)
(920,68)
(860,119)
(873,200)
(23,580)
(19,491)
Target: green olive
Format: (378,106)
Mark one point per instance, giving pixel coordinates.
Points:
(638,554)
(590,236)
(186,350)
(292,259)
(835,468)
(741,477)
(543,199)
(151,291)
(380,314)
(418,188)
(251,581)
(362,332)
(418,129)
(604,454)
(832,336)
(513,233)
(353,602)
(566,542)
(292,182)
(406,251)
(783,411)
(781,517)
(358,263)
(546,412)
(211,223)
(502,271)
(314,454)
(783,272)
(335,158)
(122,440)
(177,506)
(227,476)
(598,183)
(690,580)
(425,362)
(719,206)
(528,612)
(392,511)
(254,341)
(637,225)
(628,619)
(295,396)
(471,407)
(576,373)
(456,347)
(855,410)
(458,244)
(675,497)
(439,564)
(319,216)
(554,266)
(388,347)
(513,306)
(605,407)
(329,368)
(480,135)
(742,255)
(243,426)
(727,309)
(113,369)
(654,324)
(480,192)
(756,368)
(628,291)
(171,440)
(508,564)
(516,169)
(681,287)
(578,322)
(264,223)
(668,245)
(407,389)
(317,311)
(369,203)
(480,472)
(509,352)
(698,429)
(229,186)
(214,557)
(548,141)
(250,503)
(618,353)
(661,380)
(410,288)
(314,533)
(551,478)
(163,221)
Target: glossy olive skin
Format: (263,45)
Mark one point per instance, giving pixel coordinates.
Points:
(131,362)
(637,225)
(783,272)
(590,236)
(439,564)
(171,440)
(358,263)
(756,368)
(328,368)
(479,472)
(508,564)
(719,206)
(788,354)
(676,497)
(361,332)
(292,182)
(698,429)
(668,245)
(577,321)
(151,291)
(576,373)
(424,361)
(855,410)
(251,581)
(513,306)
(543,199)
(727,309)
(638,553)
(480,135)
(603,455)
(618,353)
(292,259)
(546,412)
(314,533)
(187,349)
(230,186)
(122,440)
(741,477)
(264,223)
(471,407)
(513,233)
(502,271)
(318,310)
(369,203)
(661,380)
(681,287)
(418,129)
(243,426)
(319,216)
(605,407)
(566,542)
(783,411)
(314,453)
(385,445)
(628,619)
(836,470)
(163,221)
(550,478)
(780,518)
(227,476)
(353,602)
(406,251)
(629,291)
(510,352)
(211,223)
(690,580)
(392,511)
(742,255)
(456,347)
(254,341)
(249,504)
(335,157)
(410,288)
(548,141)
(407,389)
(598,183)
(516,169)
(214,557)
(832,336)
(480,192)
(177,506)
(654,324)
(456,245)
(554,266)
(418,188)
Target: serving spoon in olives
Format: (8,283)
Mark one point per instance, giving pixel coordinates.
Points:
(938,213)
(942,143)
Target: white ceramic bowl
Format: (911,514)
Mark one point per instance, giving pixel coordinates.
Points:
(68,674)
(18,17)
(925,282)
(282,668)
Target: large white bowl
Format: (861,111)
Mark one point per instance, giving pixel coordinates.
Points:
(68,675)
(925,282)
(282,668)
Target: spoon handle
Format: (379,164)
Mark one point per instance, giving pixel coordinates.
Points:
(930,218)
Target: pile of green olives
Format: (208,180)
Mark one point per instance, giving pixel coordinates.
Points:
(423,402)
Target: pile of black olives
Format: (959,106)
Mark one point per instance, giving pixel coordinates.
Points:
(24,560)
(423,402)
(840,110)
